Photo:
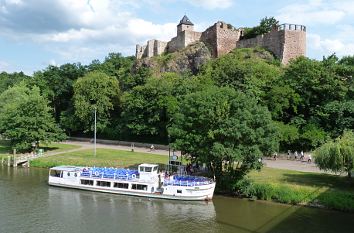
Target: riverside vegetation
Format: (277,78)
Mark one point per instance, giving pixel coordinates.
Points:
(303,188)
(226,113)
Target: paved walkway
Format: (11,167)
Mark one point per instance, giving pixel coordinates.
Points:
(292,165)
(88,145)
(279,163)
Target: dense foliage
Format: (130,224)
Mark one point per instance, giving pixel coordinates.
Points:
(26,118)
(96,91)
(224,129)
(338,155)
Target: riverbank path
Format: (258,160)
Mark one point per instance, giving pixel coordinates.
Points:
(279,163)
(89,145)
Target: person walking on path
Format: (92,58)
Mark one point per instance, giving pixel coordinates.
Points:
(275,155)
(152,148)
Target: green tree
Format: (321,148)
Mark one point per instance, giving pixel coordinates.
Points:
(226,130)
(148,109)
(56,84)
(250,70)
(266,24)
(337,116)
(8,80)
(289,135)
(26,118)
(338,155)
(115,65)
(96,90)
(315,82)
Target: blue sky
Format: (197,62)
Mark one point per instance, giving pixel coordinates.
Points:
(37,33)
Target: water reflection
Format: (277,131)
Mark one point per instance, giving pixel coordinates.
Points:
(105,212)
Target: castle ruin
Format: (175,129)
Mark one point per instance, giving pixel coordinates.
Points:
(286,41)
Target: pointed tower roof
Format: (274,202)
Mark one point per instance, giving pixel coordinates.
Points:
(185,21)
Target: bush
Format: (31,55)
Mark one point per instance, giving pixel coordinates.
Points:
(290,194)
(337,200)
(244,187)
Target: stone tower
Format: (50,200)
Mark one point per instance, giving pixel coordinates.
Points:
(184,25)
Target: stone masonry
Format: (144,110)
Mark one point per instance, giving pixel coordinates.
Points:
(286,41)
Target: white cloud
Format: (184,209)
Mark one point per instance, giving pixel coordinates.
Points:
(77,29)
(4,66)
(313,12)
(52,62)
(140,28)
(328,46)
(211,4)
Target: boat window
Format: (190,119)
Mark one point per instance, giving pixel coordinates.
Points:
(139,187)
(148,169)
(179,191)
(155,169)
(121,185)
(87,182)
(55,173)
(141,169)
(68,174)
(103,183)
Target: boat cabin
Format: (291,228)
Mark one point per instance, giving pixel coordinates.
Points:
(63,172)
(148,171)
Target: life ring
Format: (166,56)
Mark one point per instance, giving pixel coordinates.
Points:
(97,173)
(133,176)
(84,170)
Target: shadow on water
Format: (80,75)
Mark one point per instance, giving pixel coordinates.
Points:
(244,216)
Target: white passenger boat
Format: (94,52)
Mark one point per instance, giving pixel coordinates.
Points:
(147,181)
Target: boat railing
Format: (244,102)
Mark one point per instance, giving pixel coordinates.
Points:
(188,182)
(121,175)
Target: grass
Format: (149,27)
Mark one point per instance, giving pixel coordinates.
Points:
(58,147)
(104,158)
(6,150)
(293,187)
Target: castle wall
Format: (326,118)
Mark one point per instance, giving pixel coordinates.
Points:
(159,47)
(175,44)
(294,45)
(286,44)
(221,38)
(210,39)
(150,48)
(153,48)
(227,37)
(183,39)
(271,41)
(191,37)
(140,51)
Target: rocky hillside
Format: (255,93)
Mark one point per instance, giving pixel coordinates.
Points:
(188,60)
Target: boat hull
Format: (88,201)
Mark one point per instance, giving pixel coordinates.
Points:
(205,197)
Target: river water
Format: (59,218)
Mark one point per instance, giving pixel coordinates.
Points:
(28,204)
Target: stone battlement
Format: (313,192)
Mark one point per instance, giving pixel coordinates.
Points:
(286,41)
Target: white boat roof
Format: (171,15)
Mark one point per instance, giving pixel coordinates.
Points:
(66,168)
(148,165)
